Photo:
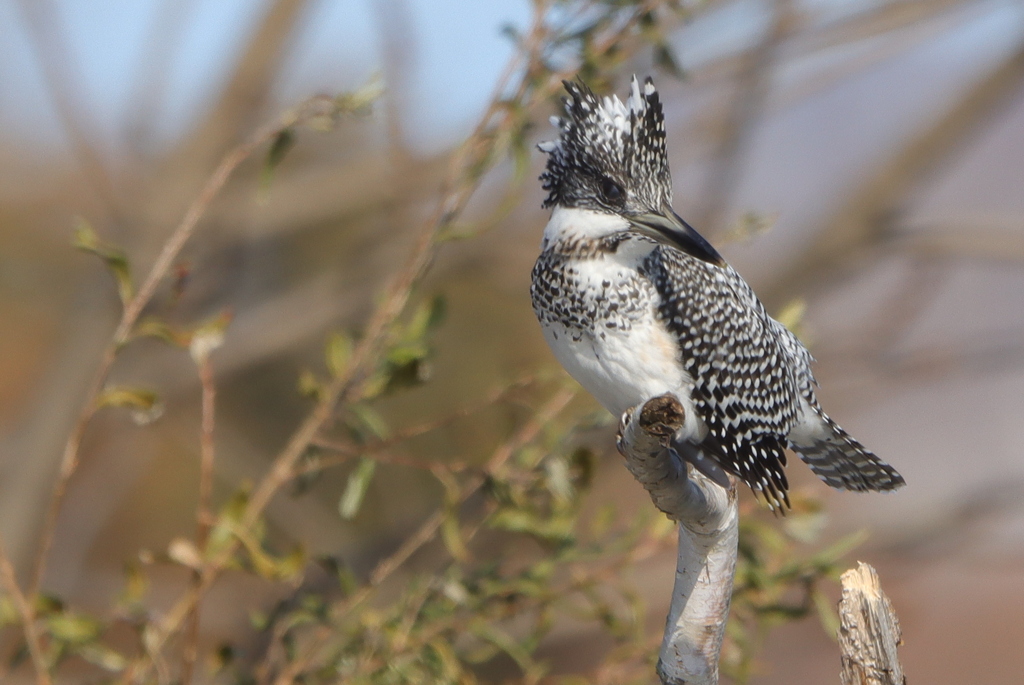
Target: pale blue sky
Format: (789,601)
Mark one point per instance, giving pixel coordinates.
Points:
(458,52)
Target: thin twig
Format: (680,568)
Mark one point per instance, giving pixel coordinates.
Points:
(346,453)
(377,450)
(581,575)
(522,437)
(428,529)
(28,617)
(314,107)
(204,511)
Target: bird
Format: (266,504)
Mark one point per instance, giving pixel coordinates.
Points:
(635,303)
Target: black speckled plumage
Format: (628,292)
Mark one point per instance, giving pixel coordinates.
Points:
(746,383)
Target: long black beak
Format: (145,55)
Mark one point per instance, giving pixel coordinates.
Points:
(670,229)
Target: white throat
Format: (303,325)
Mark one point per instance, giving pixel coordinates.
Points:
(571,222)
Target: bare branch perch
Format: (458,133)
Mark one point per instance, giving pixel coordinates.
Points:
(869,631)
(708,533)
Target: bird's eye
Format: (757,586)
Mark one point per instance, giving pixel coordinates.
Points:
(612,191)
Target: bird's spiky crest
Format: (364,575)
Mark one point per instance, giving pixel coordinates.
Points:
(606,137)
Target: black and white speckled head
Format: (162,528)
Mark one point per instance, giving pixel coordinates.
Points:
(610,156)
(610,165)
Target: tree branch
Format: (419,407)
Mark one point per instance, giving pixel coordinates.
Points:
(200,349)
(708,534)
(318,106)
(869,631)
(868,217)
(27,614)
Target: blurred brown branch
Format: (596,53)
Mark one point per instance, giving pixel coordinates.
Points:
(863,225)
(203,344)
(151,80)
(245,94)
(750,87)
(316,107)
(27,615)
(53,52)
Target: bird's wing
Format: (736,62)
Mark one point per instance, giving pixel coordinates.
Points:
(745,388)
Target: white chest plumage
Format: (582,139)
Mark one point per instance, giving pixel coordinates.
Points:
(598,313)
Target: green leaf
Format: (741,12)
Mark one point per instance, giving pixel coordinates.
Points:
(506,643)
(370,418)
(826,613)
(378,382)
(451,530)
(426,317)
(556,529)
(339,353)
(446,664)
(603,519)
(144,404)
(355,490)
(584,465)
(403,355)
(72,628)
(309,385)
(222,657)
(9,615)
(87,240)
(412,372)
(131,398)
(136,584)
(288,567)
(259,619)
(228,519)
(152,327)
(104,657)
(48,604)
(291,565)
(451,536)
(283,142)
(360,100)
(234,509)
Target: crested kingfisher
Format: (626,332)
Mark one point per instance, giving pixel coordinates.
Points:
(635,303)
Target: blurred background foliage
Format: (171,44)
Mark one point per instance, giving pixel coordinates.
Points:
(397,484)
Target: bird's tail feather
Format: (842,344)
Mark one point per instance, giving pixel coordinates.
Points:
(845,464)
